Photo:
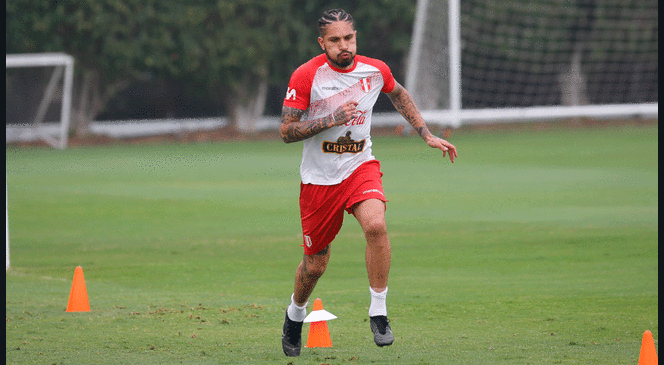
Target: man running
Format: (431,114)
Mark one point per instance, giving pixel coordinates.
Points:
(329,105)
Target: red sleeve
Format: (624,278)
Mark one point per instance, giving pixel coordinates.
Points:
(299,87)
(388,80)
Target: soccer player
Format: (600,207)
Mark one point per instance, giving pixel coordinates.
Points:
(328,105)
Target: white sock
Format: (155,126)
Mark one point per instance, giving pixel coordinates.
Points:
(378,306)
(295,312)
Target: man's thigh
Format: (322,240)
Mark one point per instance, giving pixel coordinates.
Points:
(370,214)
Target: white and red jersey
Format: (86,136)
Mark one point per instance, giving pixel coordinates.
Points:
(319,89)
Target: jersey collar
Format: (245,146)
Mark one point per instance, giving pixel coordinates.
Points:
(340,70)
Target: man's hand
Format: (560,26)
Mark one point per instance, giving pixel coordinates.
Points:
(443,145)
(345,113)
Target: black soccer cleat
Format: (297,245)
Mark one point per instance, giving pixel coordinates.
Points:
(380,326)
(291,339)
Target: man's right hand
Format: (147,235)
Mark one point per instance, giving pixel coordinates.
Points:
(345,113)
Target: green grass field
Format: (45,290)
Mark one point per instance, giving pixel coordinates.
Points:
(532,248)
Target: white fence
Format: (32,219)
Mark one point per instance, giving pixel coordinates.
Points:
(143,128)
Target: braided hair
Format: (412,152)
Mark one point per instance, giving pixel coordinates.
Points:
(333,15)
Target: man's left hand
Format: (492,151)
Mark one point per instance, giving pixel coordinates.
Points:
(443,145)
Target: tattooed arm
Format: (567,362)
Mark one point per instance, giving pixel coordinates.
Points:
(406,107)
(293,129)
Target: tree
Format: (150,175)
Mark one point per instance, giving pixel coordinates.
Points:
(233,50)
(228,49)
(113,43)
(222,48)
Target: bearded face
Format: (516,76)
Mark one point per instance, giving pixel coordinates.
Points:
(339,44)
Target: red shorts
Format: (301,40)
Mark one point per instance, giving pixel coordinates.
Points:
(322,206)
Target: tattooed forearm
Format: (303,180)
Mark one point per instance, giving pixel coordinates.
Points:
(404,103)
(293,129)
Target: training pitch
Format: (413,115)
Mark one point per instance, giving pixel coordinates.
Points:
(534,247)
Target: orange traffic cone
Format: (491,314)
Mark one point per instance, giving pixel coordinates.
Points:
(319,335)
(78,297)
(648,352)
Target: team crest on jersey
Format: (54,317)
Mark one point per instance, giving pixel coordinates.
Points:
(365,83)
(343,144)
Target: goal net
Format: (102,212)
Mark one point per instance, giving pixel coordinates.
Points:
(38,95)
(476,61)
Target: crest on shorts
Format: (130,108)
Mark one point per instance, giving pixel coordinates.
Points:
(365,84)
(344,144)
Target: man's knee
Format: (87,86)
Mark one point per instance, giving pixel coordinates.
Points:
(371,215)
(375,228)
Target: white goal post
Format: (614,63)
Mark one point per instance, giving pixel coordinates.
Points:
(7,225)
(524,60)
(61,63)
